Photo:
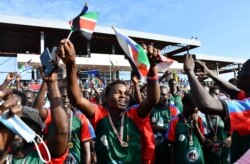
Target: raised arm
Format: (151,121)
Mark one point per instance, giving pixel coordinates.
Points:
(58,140)
(137,92)
(67,54)
(225,85)
(205,102)
(39,101)
(8,79)
(19,86)
(153,88)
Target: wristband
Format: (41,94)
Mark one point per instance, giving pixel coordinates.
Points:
(153,78)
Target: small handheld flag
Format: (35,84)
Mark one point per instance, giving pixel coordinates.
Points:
(136,55)
(85,23)
(25,67)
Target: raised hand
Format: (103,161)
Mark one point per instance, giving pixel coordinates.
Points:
(11,76)
(153,54)
(135,80)
(66,52)
(53,76)
(11,102)
(204,70)
(189,63)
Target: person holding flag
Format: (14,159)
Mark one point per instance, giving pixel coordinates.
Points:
(120,131)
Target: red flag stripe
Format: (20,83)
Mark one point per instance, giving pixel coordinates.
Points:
(87,24)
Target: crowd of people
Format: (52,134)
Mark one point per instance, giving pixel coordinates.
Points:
(128,123)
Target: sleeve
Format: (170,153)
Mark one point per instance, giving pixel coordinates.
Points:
(170,135)
(47,122)
(100,112)
(48,119)
(87,131)
(147,140)
(238,112)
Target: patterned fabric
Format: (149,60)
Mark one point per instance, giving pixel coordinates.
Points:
(161,116)
(33,157)
(178,133)
(239,114)
(137,133)
(82,131)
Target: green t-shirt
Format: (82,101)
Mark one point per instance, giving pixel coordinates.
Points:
(108,147)
(81,131)
(216,155)
(161,116)
(33,157)
(178,134)
(176,99)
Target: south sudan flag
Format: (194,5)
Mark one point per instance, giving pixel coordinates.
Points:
(85,22)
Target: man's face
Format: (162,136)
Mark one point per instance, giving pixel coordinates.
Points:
(173,85)
(119,97)
(86,94)
(30,98)
(164,96)
(65,98)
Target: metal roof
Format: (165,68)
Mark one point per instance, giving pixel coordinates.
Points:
(102,38)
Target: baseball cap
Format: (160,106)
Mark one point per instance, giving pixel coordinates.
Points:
(32,114)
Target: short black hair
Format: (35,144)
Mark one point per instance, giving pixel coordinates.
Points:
(112,84)
(188,100)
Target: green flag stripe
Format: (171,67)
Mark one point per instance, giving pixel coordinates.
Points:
(142,56)
(91,15)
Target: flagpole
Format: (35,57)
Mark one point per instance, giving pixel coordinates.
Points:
(71,31)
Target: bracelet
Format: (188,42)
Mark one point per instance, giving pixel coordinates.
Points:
(153,78)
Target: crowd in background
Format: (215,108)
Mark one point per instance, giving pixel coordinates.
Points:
(127,122)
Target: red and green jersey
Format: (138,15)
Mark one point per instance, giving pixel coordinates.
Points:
(176,99)
(161,116)
(33,157)
(81,131)
(178,134)
(137,133)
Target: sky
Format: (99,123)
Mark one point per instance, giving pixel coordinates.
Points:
(222,26)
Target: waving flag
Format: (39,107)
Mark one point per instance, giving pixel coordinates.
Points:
(25,67)
(85,22)
(165,63)
(93,73)
(135,53)
(94,79)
